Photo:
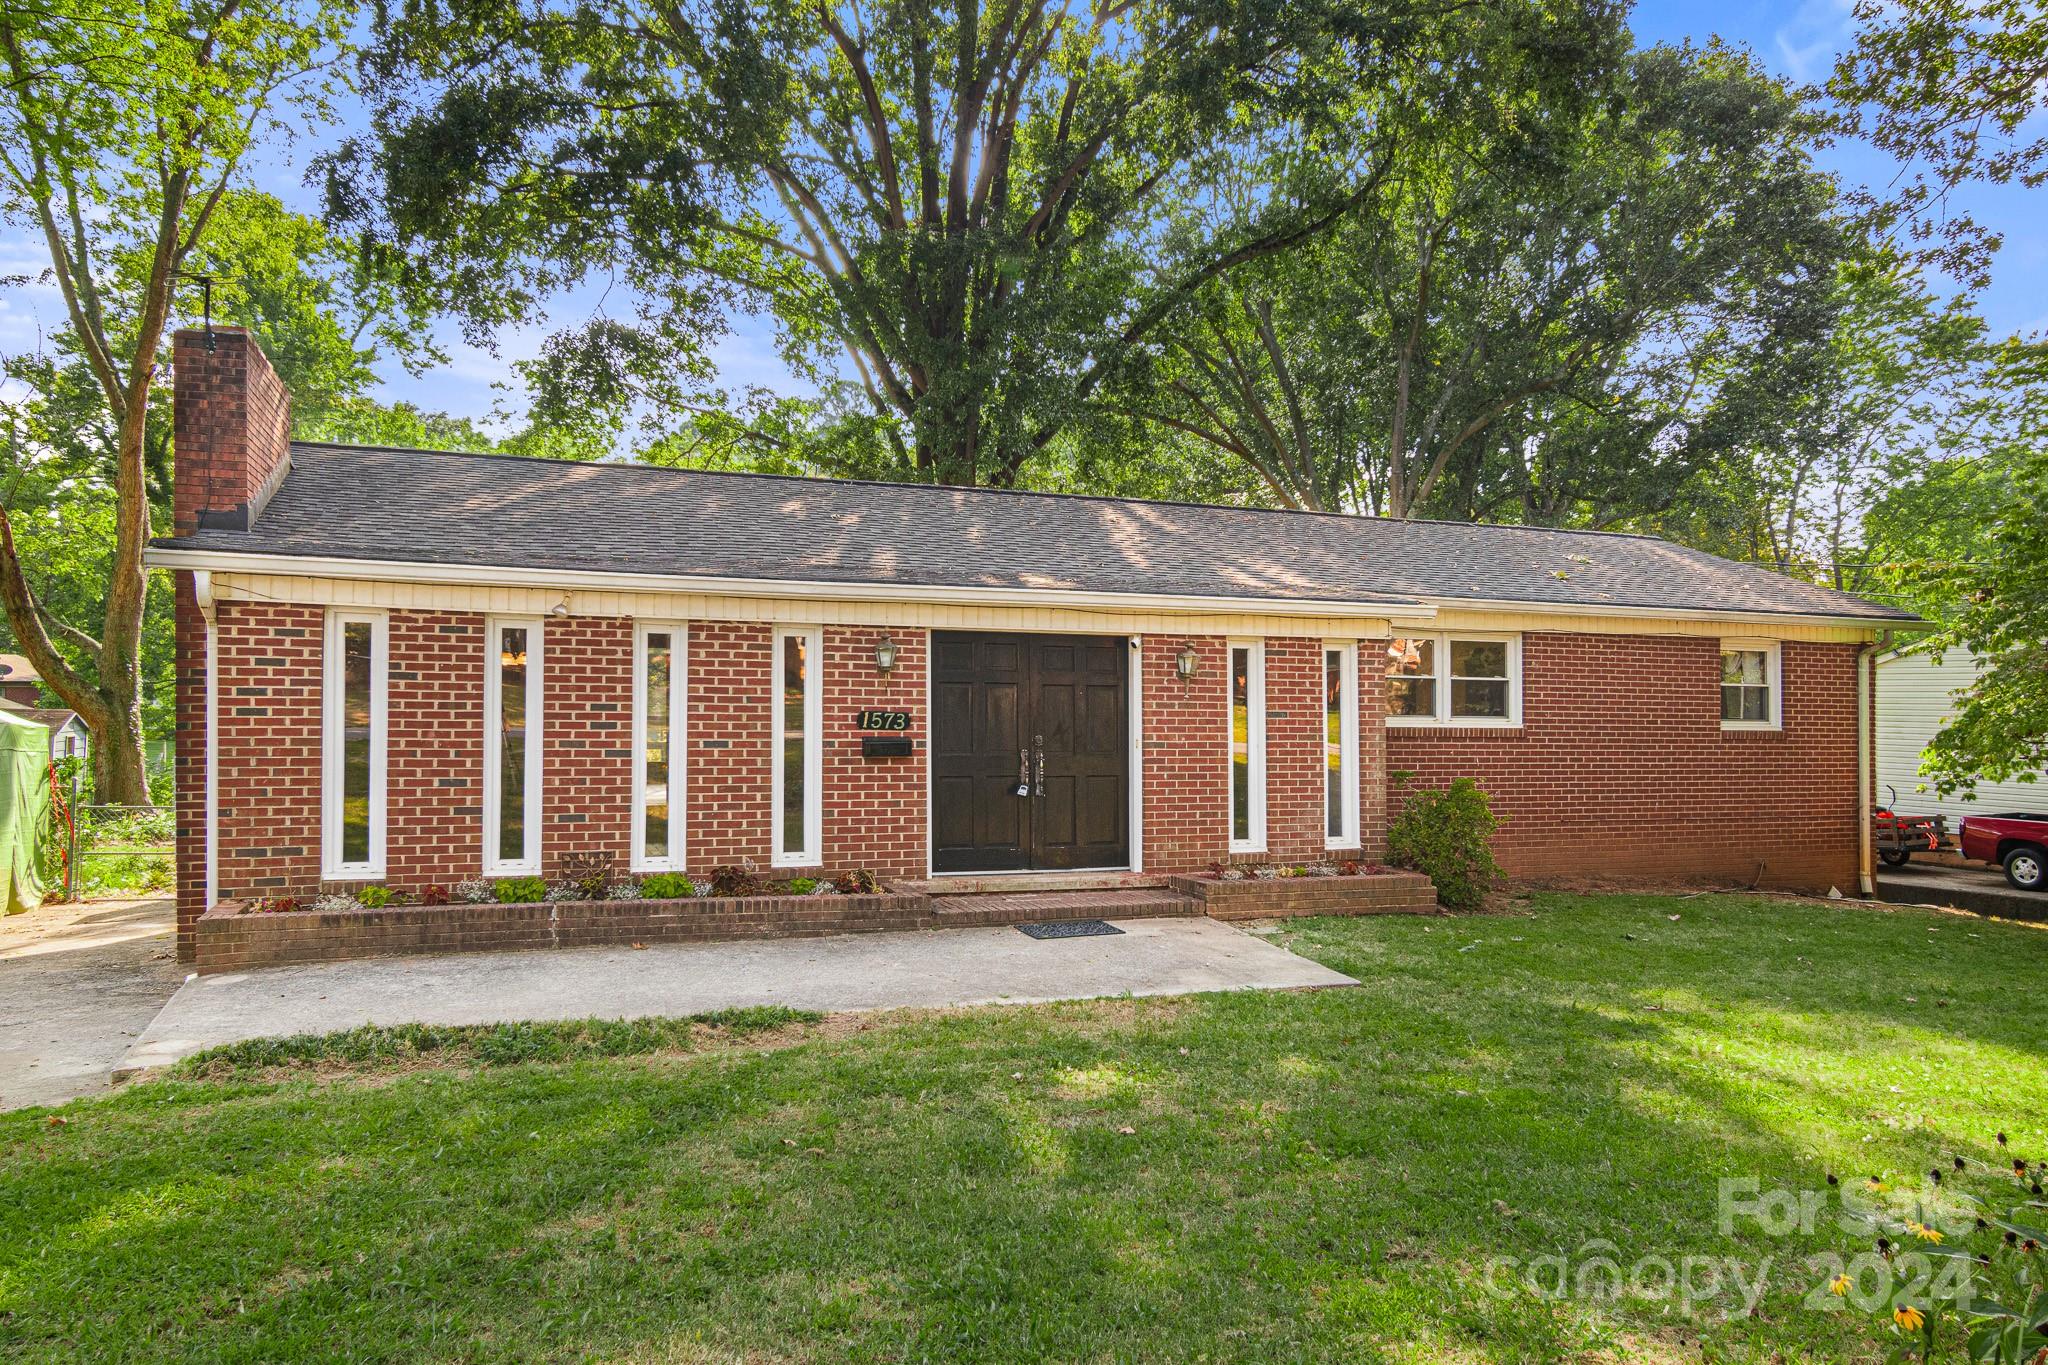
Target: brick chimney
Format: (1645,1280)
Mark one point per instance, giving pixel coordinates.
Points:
(232,421)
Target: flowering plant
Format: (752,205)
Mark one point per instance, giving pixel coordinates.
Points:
(1952,1264)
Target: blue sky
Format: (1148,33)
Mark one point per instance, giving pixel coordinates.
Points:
(1799,39)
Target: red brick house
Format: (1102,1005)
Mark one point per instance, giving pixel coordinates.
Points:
(407,668)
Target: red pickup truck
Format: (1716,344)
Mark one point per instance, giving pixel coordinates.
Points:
(2016,841)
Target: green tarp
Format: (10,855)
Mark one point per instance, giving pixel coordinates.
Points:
(25,812)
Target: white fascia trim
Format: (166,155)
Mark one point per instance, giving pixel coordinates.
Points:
(1765,618)
(407,571)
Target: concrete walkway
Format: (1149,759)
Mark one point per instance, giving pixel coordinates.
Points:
(1972,886)
(850,972)
(78,985)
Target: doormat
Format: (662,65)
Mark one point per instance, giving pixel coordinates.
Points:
(1069,928)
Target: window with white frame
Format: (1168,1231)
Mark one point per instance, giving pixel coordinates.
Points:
(355,683)
(799,747)
(1340,745)
(1454,679)
(512,720)
(1247,746)
(1750,685)
(659,671)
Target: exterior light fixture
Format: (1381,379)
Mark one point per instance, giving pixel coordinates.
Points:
(885,653)
(1187,663)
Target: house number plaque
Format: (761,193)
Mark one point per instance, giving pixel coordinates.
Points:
(881,720)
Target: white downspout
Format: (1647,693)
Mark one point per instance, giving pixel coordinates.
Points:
(1866,779)
(202,594)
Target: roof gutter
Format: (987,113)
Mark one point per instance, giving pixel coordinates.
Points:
(494,575)
(1782,618)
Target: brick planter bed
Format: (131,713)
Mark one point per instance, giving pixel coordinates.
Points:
(1371,893)
(231,940)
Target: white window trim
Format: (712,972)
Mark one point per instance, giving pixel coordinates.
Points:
(528,863)
(1443,716)
(332,868)
(678,634)
(1347,743)
(812,854)
(1774,676)
(1255,744)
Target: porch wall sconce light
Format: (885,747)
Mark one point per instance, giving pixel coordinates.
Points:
(885,654)
(1187,663)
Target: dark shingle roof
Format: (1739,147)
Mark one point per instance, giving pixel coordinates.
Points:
(352,502)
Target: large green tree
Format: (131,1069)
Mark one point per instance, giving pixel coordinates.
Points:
(122,133)
(1549,309)
(960,207)
(1951,88)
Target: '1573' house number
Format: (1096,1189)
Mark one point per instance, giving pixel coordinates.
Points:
(881,720)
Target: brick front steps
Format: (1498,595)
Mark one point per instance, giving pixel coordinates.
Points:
(1036,907)
(1373,893)
(231,939)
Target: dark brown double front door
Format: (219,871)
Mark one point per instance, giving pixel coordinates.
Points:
(1030,752)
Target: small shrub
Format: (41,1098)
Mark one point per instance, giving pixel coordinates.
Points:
(273,905)
(375,897)
(732,880)
(802,886)
(858,882)
(475,891)
(667,886)
(622,891)
(520,891)
(560,891)
(1448,837)
(436,893)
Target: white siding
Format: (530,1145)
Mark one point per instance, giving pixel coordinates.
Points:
(1913,699)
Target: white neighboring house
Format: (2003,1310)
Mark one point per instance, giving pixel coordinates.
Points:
(1915,696)
(68,736)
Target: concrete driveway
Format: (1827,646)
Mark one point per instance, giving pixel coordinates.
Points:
(925,969)
(1972,886)
(78,984)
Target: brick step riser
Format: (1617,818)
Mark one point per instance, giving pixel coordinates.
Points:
(979,917)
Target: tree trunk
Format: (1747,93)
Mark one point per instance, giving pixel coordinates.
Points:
(120,775)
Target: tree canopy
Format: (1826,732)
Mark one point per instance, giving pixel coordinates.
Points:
(963,209)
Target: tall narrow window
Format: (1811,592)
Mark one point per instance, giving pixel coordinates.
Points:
(352,746)
(1247,747)
(512,716)
(1340,746)
(658,714)
(799,747)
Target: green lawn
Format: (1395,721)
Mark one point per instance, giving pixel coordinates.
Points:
(1318,1176)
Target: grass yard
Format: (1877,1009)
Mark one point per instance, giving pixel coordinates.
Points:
(1319,1176)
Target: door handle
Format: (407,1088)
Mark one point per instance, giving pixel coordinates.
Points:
(1023,772)
(1038,788)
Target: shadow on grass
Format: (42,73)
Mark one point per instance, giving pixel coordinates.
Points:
(1318,1176)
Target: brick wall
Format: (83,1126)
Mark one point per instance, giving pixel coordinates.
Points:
(434,766)
(1187,753)
(1620,767)
(268,765)
(730,736)
(231,422)
(586,739)
(874,807)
